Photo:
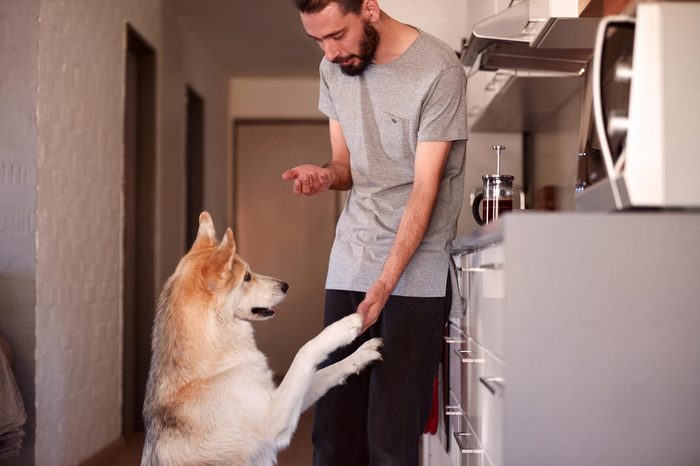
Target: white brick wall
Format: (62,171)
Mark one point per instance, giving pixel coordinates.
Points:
(19,30)
(79,224)
(80,110)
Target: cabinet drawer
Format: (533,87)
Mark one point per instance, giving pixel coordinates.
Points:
(471,387)
(453,451)
(485,301)
(456,343)
(467,446)
(493,386)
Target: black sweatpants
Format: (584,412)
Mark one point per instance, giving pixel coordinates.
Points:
(377,417)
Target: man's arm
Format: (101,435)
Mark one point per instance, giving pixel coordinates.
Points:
(312,179)
(429,165)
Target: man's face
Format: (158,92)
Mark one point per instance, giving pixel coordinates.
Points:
(348,40)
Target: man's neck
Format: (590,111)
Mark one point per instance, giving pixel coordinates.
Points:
(394,39)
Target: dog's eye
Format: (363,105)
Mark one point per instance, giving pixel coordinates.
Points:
(247,277)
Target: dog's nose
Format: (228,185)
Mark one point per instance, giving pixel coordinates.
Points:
(285,287)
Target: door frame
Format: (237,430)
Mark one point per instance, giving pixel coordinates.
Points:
(138,293)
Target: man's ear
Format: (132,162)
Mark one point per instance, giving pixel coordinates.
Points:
(371,11)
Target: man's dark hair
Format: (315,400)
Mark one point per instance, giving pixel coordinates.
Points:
(314,6)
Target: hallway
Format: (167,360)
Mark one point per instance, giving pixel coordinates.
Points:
(298,453)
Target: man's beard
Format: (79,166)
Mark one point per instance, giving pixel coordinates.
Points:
(368,47)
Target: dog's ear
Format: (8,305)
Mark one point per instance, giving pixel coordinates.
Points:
(221,261)
(227,248)
(206,234)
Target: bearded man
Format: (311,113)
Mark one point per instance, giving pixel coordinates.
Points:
(395,99)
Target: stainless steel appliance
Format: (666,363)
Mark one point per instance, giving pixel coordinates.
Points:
(645,119)
(525,61)
(532,35)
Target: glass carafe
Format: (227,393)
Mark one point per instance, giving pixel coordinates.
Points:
(495,197)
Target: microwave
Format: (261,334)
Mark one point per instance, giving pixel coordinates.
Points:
(639,143)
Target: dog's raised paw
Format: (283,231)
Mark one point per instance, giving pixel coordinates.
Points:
(367,354)
(373,344)
(346,329)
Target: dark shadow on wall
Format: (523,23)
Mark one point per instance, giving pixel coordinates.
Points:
(18,327)
(139,227)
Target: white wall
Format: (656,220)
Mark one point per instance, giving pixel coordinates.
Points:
(80,117)
(554,146)
(294,98)
(185,61)
(445,19)
(19,29)
(79,237)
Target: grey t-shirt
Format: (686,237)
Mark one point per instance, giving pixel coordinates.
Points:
(384,113)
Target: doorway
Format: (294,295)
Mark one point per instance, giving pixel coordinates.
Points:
(194,154)
(139,207)
(282,235)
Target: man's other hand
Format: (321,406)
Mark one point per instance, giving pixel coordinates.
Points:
(374,302)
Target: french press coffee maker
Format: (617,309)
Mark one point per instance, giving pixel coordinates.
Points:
(496,194)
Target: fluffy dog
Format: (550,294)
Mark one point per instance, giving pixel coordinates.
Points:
(211,398)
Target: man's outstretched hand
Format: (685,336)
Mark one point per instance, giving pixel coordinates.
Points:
(308,179)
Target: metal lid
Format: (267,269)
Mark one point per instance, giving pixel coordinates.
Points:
(498,179)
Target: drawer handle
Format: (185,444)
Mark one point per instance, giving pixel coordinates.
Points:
(481,268)
(467,443)
(455,340)
(455,410)
(466,357)
(492,384)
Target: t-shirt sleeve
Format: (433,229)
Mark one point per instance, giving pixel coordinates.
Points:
(325,103)
(444,110)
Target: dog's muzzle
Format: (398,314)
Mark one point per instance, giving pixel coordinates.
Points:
(262,311)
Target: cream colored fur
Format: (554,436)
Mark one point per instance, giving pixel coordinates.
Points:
(211,397)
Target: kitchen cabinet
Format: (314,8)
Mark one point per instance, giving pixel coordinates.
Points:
(516,101)
(482,87)
(581,336)
(525,59)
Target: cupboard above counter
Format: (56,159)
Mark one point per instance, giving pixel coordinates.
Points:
(524,60)
(516,101)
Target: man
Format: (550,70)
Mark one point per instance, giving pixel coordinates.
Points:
(395,99)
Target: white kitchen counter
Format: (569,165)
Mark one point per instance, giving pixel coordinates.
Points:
(590,323)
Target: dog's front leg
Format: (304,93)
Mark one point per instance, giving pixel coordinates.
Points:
(337,373)
(287,401)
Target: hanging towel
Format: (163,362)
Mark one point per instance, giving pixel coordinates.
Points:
(12,413)
(432,424)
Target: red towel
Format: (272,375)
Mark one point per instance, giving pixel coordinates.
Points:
(431,425)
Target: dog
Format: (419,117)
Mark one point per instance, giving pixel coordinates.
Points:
(210,397)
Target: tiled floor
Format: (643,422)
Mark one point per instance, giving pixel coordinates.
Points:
(297,454)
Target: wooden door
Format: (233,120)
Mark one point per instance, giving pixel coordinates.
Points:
(282,235)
